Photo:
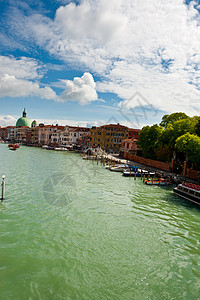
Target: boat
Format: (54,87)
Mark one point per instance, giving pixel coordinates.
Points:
(120,168)
(60,149)
(138,173)
(44,146)
(158,181)
(50,148)
(189,192)
(13,146)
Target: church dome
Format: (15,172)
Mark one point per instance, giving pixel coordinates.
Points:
(34,124)
(23,121)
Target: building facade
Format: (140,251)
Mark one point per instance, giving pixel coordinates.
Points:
(76,134)
(109,137)
(45,134)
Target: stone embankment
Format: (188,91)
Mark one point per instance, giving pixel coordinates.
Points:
(161,169)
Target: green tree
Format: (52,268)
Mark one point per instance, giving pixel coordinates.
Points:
(197,127)
(170,119)
(189,144)
(148,140)
(183,126)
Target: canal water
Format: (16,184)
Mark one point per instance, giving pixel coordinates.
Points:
(70,229)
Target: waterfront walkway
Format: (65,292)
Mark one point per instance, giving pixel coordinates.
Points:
(99,154)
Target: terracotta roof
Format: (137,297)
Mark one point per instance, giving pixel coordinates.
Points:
(137,130)
(82,129)
(130,140)
(114,126)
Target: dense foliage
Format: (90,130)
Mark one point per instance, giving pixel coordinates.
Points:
(177,134)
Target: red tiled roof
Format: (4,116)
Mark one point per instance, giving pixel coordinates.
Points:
(81,129)
(136,130)
(117,126)
(130,140)
(113,126)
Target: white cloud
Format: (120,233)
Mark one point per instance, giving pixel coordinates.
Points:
(19,78)
(11,86)
(23,68)
(147,46)
(7,120)
(81,89)
(84,123)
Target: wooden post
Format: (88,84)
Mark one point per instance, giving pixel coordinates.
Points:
(185,169)
(3,187)
(144,178)
(172,164)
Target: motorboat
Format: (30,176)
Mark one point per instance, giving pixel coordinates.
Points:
(13,146)
(138,173)
(158,181)
(189,192)
(119,168)
(60,149)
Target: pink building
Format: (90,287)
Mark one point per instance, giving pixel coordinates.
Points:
(84,140)
(45,133)
(129,146)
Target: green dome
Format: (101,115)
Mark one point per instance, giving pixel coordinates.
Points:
(33,124)
(23,121)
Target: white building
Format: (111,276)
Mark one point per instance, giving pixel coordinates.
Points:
(76,134)
(65,136)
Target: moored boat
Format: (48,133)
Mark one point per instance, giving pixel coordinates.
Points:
(189,192)
(119,168)
(137,173)
(159,181)
(60,149)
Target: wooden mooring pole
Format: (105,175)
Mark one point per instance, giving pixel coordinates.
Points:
(3,188)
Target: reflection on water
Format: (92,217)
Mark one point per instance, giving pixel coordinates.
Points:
(72,230)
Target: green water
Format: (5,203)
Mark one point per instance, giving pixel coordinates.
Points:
(69,229)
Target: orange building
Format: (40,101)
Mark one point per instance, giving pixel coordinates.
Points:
(109,137)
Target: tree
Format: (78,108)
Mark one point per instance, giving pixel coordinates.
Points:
(197,127)
(183,126)
(170,119)
(148,140)
(189,144)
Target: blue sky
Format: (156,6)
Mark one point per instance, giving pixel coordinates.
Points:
(91,62)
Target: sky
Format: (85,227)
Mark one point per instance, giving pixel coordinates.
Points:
(94,62)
